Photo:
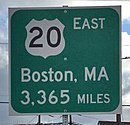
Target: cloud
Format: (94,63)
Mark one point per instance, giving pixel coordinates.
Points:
(124,5)
(125,51)
(3,38)
(3,26)
(125,44)
(31,3)
(126,84)
(126,11)
(126,99)
(126,114)
(126,20)
(125,68)
(3,57)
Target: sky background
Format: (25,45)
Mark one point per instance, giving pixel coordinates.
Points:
(5,119)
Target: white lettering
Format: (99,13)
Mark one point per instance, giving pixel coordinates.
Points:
(58,73)
(93,75)
(107,98)
(99,98)
(88,23)
(81,99)
(76,22)
(68,74)
(35,76)
(102,22)
(89,74)
(25,77)
(93,98)
(92,101)
(102,74)
(95,24)
(45,76)
(50,72)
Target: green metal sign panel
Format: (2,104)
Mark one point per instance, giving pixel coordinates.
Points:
(65,60)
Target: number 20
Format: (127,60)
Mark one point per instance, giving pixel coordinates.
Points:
(40,34)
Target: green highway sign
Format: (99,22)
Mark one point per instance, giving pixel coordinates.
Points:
(65,60)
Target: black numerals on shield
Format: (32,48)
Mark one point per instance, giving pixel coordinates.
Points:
(48,37)
(49,34)
(32,42)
